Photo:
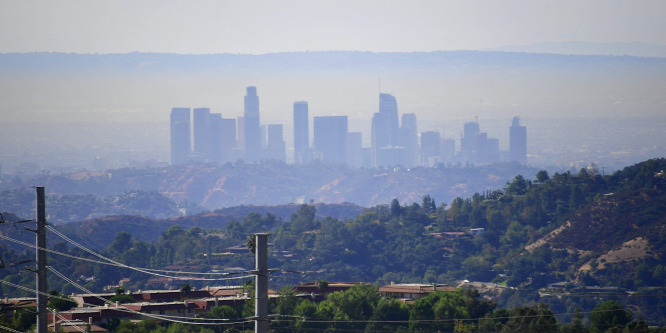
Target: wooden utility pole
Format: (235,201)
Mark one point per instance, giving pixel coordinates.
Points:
(41,260)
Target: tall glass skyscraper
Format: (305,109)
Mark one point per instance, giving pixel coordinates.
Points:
(330,138)
(181,144)
(389,106)
(409,138)
(518,141)
(202,132)
(252,128)
(385,126)
(301,132)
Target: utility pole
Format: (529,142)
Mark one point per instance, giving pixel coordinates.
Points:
(41,260)
(261,284)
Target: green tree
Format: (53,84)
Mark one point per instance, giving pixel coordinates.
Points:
(387,311)
(396,210)
(428,205)
(607,315)
(303,219)
(59,303)
(531,319)
(542,176)
(518,186)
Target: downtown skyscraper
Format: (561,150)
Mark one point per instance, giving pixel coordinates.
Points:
(330,138)
(252,127)
(518,142)
(181,144)
(386,133)
(301,133)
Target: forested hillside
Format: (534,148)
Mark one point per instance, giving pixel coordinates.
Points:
(582,230)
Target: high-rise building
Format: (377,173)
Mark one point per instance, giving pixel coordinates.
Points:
(214,150)
(448,150)
(355,149)
(301,133)
(389,106)
(385,126)
(240,125)
(227,139)
(275,145)
(380,134)
(330,138)
(409,138)
(202,132)
(252,125)
(476,146)
(518,141)
(430,148)
(181,144)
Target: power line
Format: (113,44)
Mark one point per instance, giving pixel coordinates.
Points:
(61,235)
(161,317)
(56,314)
(120,264)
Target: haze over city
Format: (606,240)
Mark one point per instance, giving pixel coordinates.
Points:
(476,166)
(123,99)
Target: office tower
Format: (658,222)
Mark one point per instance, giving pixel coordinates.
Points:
(181,145)
(476,147)
(275,145)
(391,156)
(251,125)
(491,152)
(240,125)
(380,134)
(385,126)
(409,138)
(330,138)
(430,148)
(518,142)
(355,149)
(202,133)
(469,143)
(301,133)
(213,151)
(227,139)
(448,150)
(389,107)
(264,136)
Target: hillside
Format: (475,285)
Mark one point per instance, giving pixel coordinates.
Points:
(273,183)
(619,231)
(94,233)
(584,230)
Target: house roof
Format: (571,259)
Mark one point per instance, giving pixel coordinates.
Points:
(77,326)
(415,288)
(313,287)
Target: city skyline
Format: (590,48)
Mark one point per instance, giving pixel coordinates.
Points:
(112,111)
(392,143)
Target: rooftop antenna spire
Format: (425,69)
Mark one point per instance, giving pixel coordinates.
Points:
(380,84)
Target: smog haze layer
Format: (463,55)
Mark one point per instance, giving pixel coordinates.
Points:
(99,100)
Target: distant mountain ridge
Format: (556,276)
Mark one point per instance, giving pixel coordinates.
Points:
(511,56)
(634,49)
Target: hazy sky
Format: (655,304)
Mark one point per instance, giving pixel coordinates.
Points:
(91,26)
